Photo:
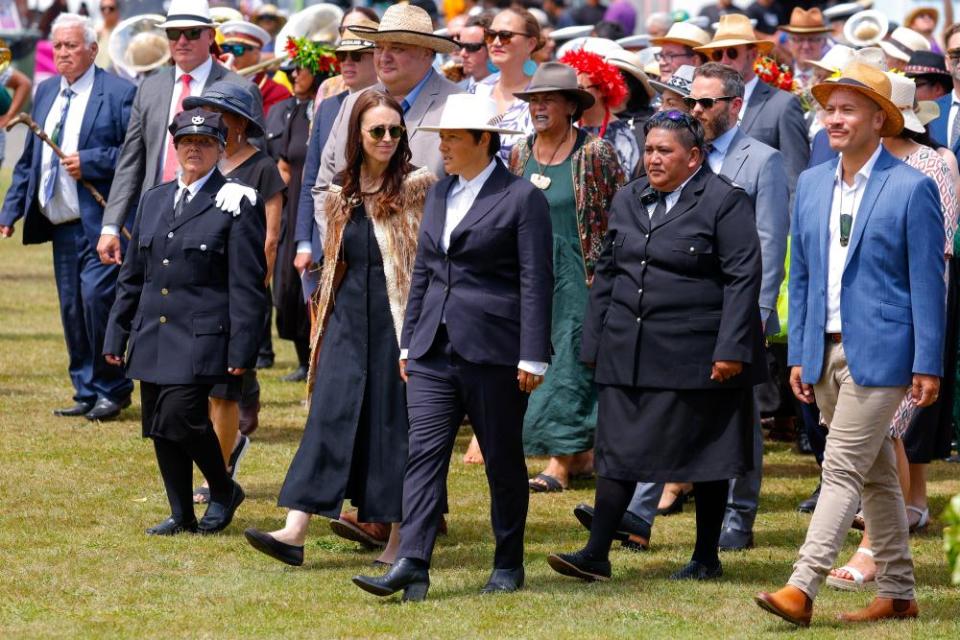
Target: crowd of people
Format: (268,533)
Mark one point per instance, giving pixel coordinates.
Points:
(628,254)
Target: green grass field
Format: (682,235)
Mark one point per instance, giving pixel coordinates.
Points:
(75,498)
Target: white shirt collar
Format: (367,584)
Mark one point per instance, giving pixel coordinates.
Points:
(193,187)
(200,74)
(863,173)
(83,84)
(478,181)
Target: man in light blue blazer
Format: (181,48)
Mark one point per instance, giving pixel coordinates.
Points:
(867,316)
(941,129)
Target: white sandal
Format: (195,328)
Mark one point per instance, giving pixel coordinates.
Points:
(921,524)
(858,583)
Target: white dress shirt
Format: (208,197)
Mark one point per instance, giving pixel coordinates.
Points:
(849,197)
(64,206)
(719,151)
(190,189)
(671,199)
(747,92)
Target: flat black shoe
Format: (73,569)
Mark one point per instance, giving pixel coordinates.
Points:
(630,525)
(733,540)
(219,515)
(698,571)
(504,581)
(265,543)
(78,409)
(107,409)
(578,565)
(411,576)
(264,362)
(808,505)
(171,527)
(297,375)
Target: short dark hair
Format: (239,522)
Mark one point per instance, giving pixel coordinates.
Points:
(493,147)
(483,19)
(688,128)
(609,30)
(950,31)
(730,78)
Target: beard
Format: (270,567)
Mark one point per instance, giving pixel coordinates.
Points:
(720,125)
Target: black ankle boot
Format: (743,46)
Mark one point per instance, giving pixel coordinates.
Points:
(412,576)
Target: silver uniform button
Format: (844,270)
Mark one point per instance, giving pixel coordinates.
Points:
(643,263)
(691,249)
(166,261)
(170,235)
(203,247)
(163,319)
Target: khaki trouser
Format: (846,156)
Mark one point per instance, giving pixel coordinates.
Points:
(859,458)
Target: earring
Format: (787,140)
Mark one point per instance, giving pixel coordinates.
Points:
(529,68)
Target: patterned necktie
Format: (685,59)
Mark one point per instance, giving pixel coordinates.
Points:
(955,128)
(53,174)
(170,163)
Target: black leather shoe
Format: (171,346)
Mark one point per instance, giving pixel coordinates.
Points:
(297,375)
(219,515)
(412,576)
(578,565)
(633,532)
(733,540)
(698,571)
(808,505)
(78,409)
(264,362)
(504,581)
(265,543)
(107,409)
(171,527)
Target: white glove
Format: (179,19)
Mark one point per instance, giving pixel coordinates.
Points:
(231,196)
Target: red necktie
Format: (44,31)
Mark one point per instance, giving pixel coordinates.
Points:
(171,164)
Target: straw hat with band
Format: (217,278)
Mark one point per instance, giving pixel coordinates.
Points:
(679,82)
(683,33)
(919,11)
(734,30)
(233,98)
(471,112)
(407,24)
(352,41)
(198,122)
(146,51)
(903,93)
(555,77)
(903,42)
(184,14)
(869,82)
(803,22)
(269,11)
(836,58)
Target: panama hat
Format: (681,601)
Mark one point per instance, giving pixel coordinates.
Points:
(839,56)
(188,13)
(472,112)
(683,33)
(352,41)
(267,11)
(557,77)
(146,51)
(805,22)
(903,42)
(919,11)
(735,30)
(842,11)
(629,62)
(406,24)
(869,82)
(866,28)
(638,41)
(903,93)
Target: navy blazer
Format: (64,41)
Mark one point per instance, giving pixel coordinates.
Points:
(191,293)
(494,285)
(101,135)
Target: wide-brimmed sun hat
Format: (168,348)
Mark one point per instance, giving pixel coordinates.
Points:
(919,11)
(184,14)
(472,112)
(803,22)
(903,42)
(630,63)
(869,82)
(556,77)
(903,93)
(735,30)
(866,28)
(353,41)
(683,33)
(407,24)
(235,98)
(839,56)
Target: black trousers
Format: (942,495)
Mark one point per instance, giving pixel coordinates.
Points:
(442,388)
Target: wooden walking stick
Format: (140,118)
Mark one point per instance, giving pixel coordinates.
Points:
(25,119)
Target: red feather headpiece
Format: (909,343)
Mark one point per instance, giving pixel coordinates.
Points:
(603,74)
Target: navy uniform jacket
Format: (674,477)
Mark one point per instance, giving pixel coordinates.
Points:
(494,285)
(671,298)
(191,296)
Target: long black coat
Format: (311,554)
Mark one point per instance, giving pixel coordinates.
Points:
(190,297)
(672,297)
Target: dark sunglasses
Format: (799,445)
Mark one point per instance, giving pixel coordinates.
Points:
(194,33)
(490,36)
(472,47)
(236,48)
(354,56)
(717,54)
(107,9)
(846,223)
(706,103)
(377,132)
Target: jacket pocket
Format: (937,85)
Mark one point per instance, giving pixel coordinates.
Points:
(693,246)
(211,334)
(501,307)
(205,255)
(896,313)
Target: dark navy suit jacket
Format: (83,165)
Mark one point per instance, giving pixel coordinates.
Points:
(101,135)
(494,284)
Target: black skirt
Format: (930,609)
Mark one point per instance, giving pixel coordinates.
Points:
(176,412)
(666,435)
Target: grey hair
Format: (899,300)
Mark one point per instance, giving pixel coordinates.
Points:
(661,19)
(65,20)
(729,77)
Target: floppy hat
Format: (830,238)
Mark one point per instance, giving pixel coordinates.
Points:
(351,41)
(556,77)
(903,93)
(866,28)
(683,33)
(469,111)
(903,42)
(629,62)
(805,22)
(735,30)
(926,63)
(406,24)
(198,122)
(869,82)
(679,82)
(927,111)
(245,32)
(188,13)
(834,61)
(638,41)
(146,51)
(235,98)
(919,11)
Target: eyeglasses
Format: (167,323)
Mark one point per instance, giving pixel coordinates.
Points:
(717,54)
(472,47)
(846,223)
(194,33)
(379,131)
(236,48)
(705,103)
(670,57)
(106,8)
(353,56)
(490,36)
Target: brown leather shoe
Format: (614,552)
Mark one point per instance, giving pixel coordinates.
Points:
(883,609)
(373,535)
(790,603)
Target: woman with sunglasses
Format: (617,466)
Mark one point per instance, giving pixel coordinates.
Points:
(354,445)
(579,174)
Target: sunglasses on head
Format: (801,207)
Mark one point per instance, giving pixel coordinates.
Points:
(717,54)
(354,56)
(471,47)
(490,36)
(236,48)
(193,33)
(379,131)
(672,116)
(706,103)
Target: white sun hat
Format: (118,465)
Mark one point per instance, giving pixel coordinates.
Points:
(183,14)
(469,111)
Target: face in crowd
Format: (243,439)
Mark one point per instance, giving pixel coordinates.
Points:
(197,154)
(672,56)
(852,120)
(551,112)
(382,128)
(190,46)
(720,116)
(72,55)
(669,158)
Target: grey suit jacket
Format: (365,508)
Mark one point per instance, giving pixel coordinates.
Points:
(758,169)
(424,145)
(141,157)
(775,118)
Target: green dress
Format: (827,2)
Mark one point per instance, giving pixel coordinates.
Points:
(562,413)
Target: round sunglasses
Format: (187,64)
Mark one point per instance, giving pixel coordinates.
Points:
(379,131)
(717,54)
(490,36)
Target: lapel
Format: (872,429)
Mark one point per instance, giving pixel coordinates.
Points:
(421,106)
(736,156)
(437,216)
(491,193)
(759,96)
(162,91)
(940,128)
(637,208)
(200,203)
(689,197)
(878,176)
(93,108)
(45,100)
(823,201)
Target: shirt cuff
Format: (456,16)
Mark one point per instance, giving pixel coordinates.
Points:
(536,368)
(110,230)
(403,353)
(304,246)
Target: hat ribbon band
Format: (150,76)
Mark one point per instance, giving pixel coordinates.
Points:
(919,70)
(355,43)
(900,47)
(187,16)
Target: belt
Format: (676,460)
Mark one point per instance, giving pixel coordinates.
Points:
(835,338)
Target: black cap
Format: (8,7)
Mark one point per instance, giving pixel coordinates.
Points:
(198,122)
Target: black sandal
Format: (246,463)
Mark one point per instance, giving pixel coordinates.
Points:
(542,483)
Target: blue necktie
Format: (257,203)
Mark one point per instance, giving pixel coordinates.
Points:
(404,106)
(53,174)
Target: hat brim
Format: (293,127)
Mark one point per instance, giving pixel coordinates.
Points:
(583,98)
(927,111)
(352,45)
(184,23)
(805,30)
(893,52)
(254,129)
(486,127)
(662,86)
(693,44)
(819,65)
(143,68)
(634,71)
(199,130)
(764,46)
(893,124)
(414,38)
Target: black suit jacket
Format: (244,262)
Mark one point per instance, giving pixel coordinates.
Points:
(191,293)
(494,286)
(672,297)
